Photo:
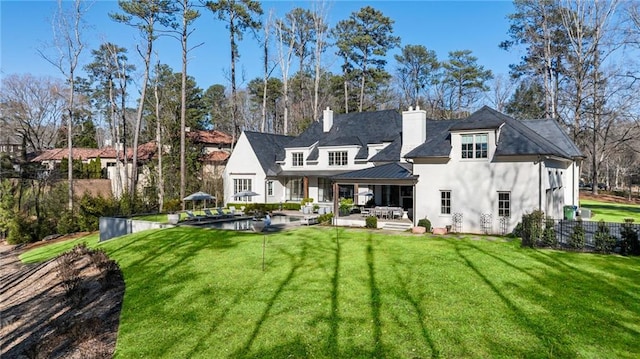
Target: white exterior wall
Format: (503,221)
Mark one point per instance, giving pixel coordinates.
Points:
(278,192)
(474,187)
(244,164)
(475,183)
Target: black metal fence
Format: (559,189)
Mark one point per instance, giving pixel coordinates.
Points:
(588,235)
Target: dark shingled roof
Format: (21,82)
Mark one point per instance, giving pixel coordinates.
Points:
(540,137)
(396,170)
(483,119)
(391,153)
(268,147)
(438,142)
(551,130)
(356,128)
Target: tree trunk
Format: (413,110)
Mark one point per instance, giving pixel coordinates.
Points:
(183,108)
(234,101)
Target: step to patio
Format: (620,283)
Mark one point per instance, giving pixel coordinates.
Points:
(395,226)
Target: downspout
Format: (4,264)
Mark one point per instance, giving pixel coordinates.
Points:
(573,182)
(539,183)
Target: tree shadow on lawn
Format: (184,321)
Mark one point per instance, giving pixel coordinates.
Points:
(404,293)
(164,255)
(295,261)
(568,286)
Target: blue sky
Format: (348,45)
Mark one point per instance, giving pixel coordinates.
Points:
(442,26)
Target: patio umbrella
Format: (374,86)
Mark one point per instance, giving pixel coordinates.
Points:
(245,194)
(199,196)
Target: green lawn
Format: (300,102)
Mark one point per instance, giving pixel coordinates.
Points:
(611,212)
(348,293)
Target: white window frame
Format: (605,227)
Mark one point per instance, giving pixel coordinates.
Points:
(445,202)
(297,159)
(338,158)
(476,150)
(269,188)
(243,184)
(504,204)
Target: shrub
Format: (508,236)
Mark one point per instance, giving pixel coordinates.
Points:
(532,228)
(345,205)
(68,223)
(70,274)
(517,231)
(306,201)
(604,241)
(424,222)
(576,240)
(22,229)
(371,222)
(172,205)
(630,243)
(549,238)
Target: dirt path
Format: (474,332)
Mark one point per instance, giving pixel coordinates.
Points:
(38,318)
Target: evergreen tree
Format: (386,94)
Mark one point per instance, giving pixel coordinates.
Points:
(363,41)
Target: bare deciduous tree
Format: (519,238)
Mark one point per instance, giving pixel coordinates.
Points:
(68,41)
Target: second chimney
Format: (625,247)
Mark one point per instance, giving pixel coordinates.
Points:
(327,119)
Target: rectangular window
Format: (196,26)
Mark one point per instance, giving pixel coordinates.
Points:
(445,202)
(475,146)
(297,159)
(338,158)
(325,190)
(242,184)
(504,204)
(467,146)
(269,188)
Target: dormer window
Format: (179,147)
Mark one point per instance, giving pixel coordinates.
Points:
(297,159)
(475,145)
(338,158)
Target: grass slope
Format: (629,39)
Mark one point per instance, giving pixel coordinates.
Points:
(611,212)
(329,293)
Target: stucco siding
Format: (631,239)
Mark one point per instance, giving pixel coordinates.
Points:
(243,164)
(474,187)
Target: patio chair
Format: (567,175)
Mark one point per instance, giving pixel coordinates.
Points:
(193,217)
(222,214)
(210,214)
(396,213)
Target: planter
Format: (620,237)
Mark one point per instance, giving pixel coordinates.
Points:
(418,230)
(173,218)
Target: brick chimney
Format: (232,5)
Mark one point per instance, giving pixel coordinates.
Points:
(327,119)
(414,129)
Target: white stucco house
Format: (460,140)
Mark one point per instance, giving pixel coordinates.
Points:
(478,174)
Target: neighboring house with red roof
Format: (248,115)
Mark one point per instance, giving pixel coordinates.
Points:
(216,150)
(217,147)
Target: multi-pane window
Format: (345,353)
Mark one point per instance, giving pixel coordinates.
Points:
(241,184)
(338,158)
(297,159)
(269,188)
(504,204)
(445,202)
(475,146)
